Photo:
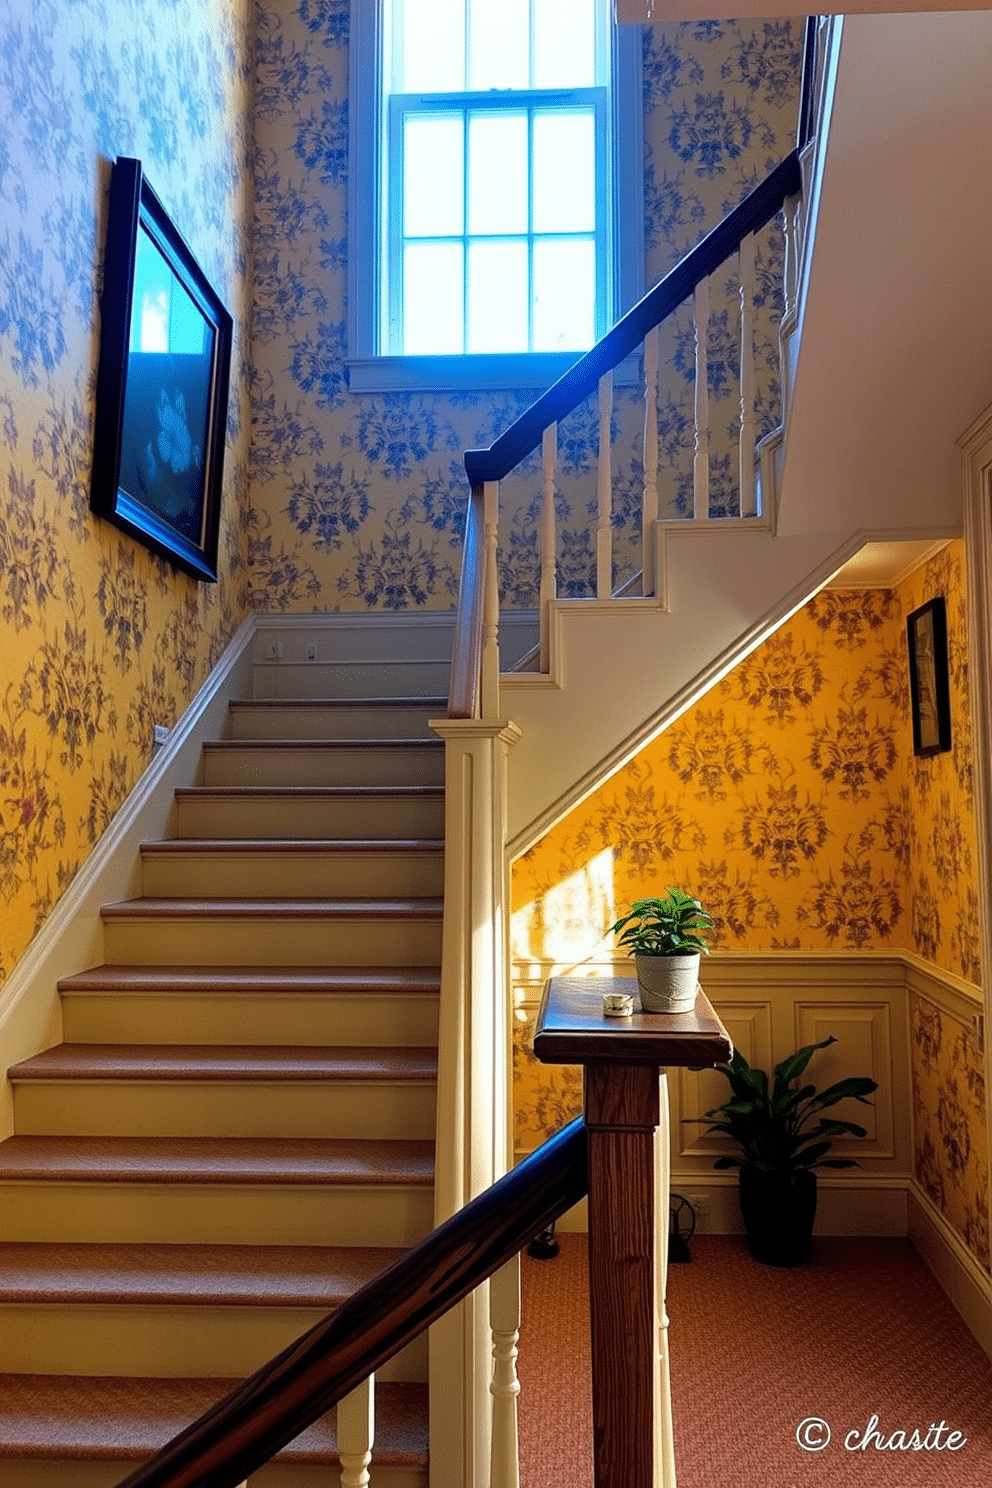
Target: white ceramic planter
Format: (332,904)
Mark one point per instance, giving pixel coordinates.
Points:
(668,984)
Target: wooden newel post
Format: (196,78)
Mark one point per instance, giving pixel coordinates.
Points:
(626,1111)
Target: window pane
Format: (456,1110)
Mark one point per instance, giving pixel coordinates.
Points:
(432,299)
(497,173)
(499,44)
(564,44)
(433,175)
(564,171)
(497,296)
(429,37)
(564,294)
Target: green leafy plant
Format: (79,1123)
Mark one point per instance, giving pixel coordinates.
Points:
(666,926)
(781,1130)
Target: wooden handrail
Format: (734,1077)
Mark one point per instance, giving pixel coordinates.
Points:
(466,654)
(807,92)
(245,1429)
(524,435)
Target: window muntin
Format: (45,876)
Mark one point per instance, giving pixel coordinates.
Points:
(493,204)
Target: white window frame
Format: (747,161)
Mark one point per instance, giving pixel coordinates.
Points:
(369,370)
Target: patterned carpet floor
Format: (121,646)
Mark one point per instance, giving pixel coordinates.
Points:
(862,1330)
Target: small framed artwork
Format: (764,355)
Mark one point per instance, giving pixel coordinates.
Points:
(162,384)
(926,634)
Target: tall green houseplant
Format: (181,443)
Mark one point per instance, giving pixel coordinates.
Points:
(783,1138)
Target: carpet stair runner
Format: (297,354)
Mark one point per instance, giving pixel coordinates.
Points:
(239,1127)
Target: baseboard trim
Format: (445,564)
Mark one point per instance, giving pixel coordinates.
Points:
(71,939)
(967,1285)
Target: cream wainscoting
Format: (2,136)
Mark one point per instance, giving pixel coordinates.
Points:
(772,1003)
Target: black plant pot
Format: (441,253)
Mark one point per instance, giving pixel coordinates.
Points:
(779,1210)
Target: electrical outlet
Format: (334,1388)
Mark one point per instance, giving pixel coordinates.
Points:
(160,734)
(273,650)
(699,1202)
(310,651)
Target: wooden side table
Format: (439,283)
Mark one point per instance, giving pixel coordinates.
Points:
(626,1112)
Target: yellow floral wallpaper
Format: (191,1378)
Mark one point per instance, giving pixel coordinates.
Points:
(100,640)
(790,800)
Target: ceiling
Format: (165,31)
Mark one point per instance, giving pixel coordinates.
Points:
(895,348)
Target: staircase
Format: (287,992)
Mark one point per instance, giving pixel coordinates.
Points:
(239,1128)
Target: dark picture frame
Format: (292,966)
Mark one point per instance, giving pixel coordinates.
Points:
(162,383)
(929,688)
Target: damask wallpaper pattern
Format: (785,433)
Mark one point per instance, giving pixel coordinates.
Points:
(240,116)
(99,640)
(358,499)
(790,800)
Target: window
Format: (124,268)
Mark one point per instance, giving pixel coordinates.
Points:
(495,235)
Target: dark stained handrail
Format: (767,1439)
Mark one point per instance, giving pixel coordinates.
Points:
(251,1424)
(524,435)
(466,652)
(807,93)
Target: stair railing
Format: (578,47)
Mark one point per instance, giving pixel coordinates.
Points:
(475,666)
(335,1362)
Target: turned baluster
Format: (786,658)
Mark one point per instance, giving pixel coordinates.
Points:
(748,502)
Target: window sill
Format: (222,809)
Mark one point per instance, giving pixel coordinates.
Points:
(459,374)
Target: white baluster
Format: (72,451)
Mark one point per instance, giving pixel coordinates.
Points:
(649,509)
(356,1433)
(604,531)
(748,497)
(790,226)
(490,602)
(701,462)
(504,1317)
(549,583)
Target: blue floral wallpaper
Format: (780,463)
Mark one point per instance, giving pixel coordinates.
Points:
(99,640)
(358,499)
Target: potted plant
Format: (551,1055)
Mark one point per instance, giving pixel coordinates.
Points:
(783,1138)
(663,937)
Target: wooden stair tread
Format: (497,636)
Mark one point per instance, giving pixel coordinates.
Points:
(212,746)
(225,1062)
(275,908)
(265,980)
(318,792)
(343,845)
(405,701)
(302,1161)
(82,1418)
(38,1272)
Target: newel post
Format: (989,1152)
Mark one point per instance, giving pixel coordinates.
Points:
(474,1073)
(626,1111)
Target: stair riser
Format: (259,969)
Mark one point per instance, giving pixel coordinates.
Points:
(215,1214)
(236,1109)
(137,940)
(177,1341)
(86,1474)
(309,817)
(319,766)
(206,1018)
(270,721)
(348,679)
(277,1476)
(287,875)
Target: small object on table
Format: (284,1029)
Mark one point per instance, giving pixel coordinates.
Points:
(617,1005)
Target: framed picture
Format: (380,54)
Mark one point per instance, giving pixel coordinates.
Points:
(926,634)
(162,385)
